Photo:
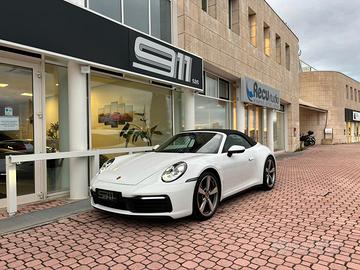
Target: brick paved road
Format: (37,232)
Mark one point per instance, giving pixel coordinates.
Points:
(311,220)
(33,207)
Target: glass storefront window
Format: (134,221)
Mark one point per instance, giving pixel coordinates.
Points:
(256,123)
(211,113)
(211,86)
(16,125)
(161,19)
(224,87)
(110,8)
(279,131)
(216,87)
(137,14)
(179,112)
(251,120)
(128,114)
(57,123)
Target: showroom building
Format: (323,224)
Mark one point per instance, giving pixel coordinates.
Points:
(247,47)
(333,106)
(83,71)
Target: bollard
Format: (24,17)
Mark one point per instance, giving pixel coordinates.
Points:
(11,194)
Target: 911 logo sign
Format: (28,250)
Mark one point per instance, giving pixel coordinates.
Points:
(156,58)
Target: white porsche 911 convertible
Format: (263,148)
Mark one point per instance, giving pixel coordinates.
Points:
(190,174)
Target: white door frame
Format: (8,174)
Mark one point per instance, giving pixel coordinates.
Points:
(38,113)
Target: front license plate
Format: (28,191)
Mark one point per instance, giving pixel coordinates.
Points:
(106,195)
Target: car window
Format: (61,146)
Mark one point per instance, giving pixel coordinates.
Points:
(194,142)
(211,146)
(235,139)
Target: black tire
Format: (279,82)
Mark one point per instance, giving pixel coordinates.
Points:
(202,208)
(269,174)
(312,141)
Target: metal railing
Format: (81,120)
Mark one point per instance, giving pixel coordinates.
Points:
(13,160)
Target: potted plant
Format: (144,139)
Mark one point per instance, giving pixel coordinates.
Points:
(134,132)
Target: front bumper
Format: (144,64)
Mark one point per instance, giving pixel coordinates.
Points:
(139,204)
(165,200)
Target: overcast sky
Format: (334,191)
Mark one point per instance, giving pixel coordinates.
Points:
(329,32)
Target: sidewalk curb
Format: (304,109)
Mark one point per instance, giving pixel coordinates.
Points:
(41,217)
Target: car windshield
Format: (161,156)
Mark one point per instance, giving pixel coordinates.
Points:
(194,142)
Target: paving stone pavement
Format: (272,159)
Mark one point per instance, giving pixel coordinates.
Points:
(311,220)
(32,207)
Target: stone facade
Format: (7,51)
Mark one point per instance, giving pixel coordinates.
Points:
(332,91)
(230,54)
(314,121)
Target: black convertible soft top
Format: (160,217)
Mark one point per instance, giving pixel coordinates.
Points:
(226,132)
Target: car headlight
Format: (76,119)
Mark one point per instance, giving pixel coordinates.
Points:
(174,172)
(106,165)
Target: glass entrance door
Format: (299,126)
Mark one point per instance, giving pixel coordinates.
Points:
(20,126)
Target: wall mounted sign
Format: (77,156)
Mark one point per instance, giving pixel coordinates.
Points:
(328,130)
(356,116)
(259,94)
(95,39)
(8,111)
(352,116)
(152,57)
(9,123)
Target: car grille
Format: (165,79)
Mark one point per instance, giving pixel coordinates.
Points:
(115,200)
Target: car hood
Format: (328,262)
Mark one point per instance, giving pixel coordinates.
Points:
(133,169)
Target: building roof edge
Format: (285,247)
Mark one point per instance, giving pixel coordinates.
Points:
(288,27)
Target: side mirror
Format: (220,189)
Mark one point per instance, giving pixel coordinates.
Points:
(235,149)
(156,147)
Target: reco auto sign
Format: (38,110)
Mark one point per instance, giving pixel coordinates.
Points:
(259,94)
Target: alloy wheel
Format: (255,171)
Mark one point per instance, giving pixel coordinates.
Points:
(270,173)
(207,195)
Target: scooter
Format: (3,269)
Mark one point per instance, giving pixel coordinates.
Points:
(309,139)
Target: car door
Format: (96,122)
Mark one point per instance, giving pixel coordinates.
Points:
(238,170)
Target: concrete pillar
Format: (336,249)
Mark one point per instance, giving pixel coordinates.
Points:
(270,128)
(240,110)
(78,124)
(189,109)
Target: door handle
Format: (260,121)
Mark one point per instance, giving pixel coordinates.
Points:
(251,158)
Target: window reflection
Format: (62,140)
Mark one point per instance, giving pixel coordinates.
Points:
(57,126)
(16,125)
(136,14)
(211,113)
(109,8)
(161,19)
(128,114)
(279,131)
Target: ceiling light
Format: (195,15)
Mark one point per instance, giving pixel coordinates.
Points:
(3,85)
(27,94)
(57,84)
